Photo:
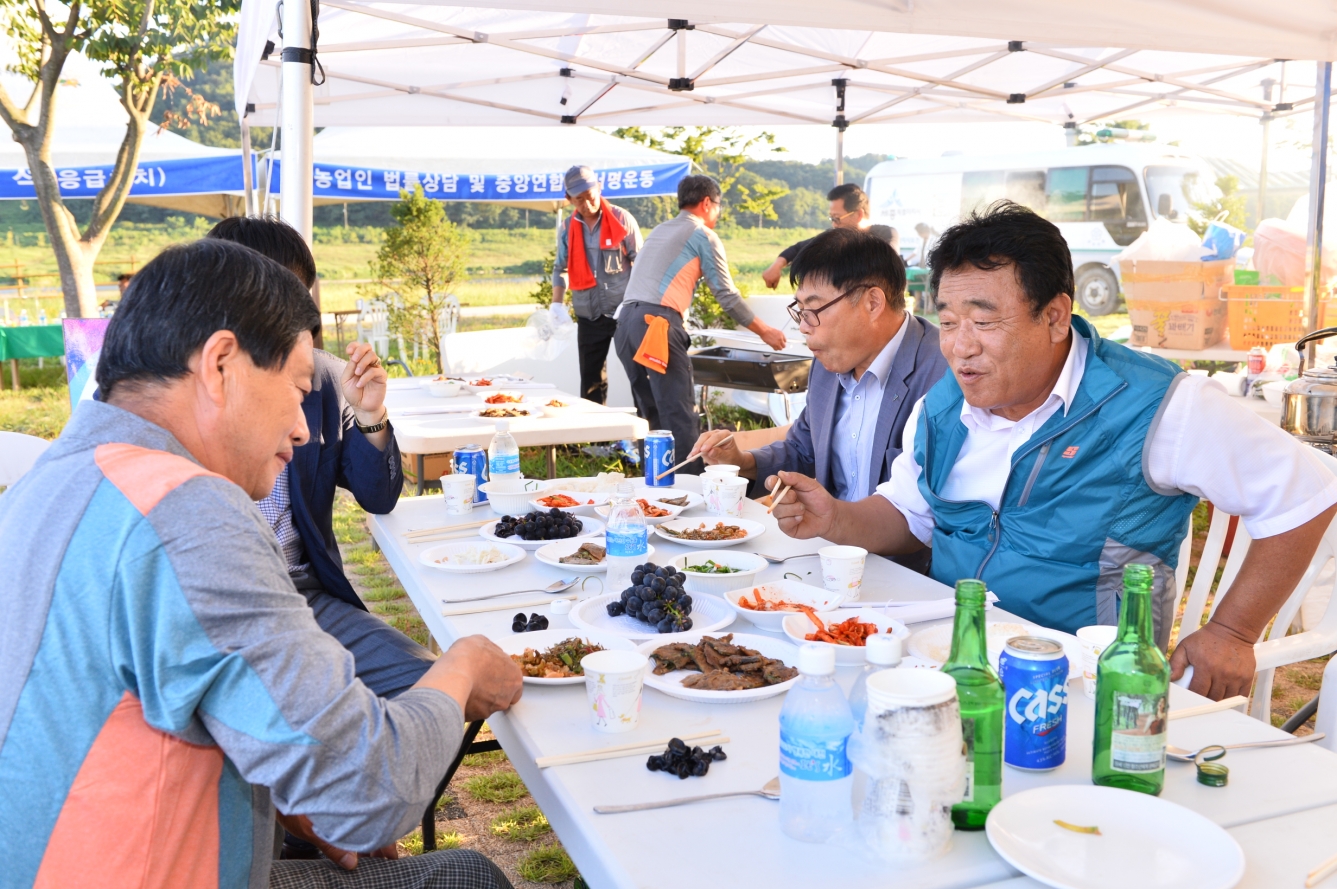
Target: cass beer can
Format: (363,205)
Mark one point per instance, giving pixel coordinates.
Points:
(658,457)
(1034,671)
(472,460)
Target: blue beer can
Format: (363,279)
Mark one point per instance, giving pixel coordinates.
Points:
(1034,671)
(658,457)
(472,460)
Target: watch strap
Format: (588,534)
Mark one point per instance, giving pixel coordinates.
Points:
(375,427)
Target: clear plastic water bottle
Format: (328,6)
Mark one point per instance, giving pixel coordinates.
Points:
(816,777)
(23,317)
(626,540)
(503,454)
(41,316)
(883,651)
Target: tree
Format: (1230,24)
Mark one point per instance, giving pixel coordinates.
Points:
(145,46)
(1229,207)
(755,196)
(423,254)
(542,292)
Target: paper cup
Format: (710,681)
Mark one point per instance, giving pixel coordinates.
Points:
(458,491)
(1094,640)
(721,469)
(725,494)
(613,684)
(842,570)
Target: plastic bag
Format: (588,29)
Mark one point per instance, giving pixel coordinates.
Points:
(1223,240)
(1279,253)
(1164,241)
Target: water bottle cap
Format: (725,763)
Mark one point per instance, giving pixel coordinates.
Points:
(816,660)
(503,425)
(883,649)
(624,489)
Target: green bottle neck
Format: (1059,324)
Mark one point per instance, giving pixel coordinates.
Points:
(969,643)
(1135,624)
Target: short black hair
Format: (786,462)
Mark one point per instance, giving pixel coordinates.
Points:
(124,276)
(1005,233)
(847,258)
(189,292)
(851,197)
(692,190)
(272,237)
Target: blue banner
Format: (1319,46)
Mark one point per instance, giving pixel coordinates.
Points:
(363,183)
(204,175)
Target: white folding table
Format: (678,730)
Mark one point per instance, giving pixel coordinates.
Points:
(739,842)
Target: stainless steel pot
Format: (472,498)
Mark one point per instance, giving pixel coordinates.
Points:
(1309,404)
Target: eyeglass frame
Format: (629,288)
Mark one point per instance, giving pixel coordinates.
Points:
(835,220)
(797,313)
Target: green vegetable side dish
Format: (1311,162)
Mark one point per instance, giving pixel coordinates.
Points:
(710,566)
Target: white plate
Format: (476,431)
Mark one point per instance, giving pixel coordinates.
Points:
(553,552)
(750,564)
(708,614)
(589,528)
(652,494)
(935,643)
(605,483)
(797,626)
(753,529)
(1144,841)
(534,412)
(671,683)
(430,555)
(516,643)
(673,511)
(585,507)
(790,590)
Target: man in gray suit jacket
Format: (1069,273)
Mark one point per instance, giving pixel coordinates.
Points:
(874,361)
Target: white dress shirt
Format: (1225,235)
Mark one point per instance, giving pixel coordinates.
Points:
(857,407)
(1206,445)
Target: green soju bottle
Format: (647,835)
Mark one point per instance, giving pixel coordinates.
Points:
(1132,696)
(981,696)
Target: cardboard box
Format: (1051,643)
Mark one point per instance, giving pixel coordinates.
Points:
(1176,305)
(434,466)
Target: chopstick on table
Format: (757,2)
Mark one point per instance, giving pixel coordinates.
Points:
(1213,707)
(636,749)
(443,529)
(502,606)
(690,457)
(1321,873)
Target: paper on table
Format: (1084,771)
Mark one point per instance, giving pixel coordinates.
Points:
(915,611)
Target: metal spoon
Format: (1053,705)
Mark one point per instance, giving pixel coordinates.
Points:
(558,586)
(779,561)
(1179,754)
(770,791)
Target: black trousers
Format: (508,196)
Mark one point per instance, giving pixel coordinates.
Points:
(593,337)
(666,400)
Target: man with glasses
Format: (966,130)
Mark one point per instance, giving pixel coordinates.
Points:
(651,340)
(849,209)
(874,361)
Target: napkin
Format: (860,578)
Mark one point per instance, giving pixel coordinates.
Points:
(915,611)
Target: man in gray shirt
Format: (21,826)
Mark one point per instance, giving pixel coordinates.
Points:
(595,252)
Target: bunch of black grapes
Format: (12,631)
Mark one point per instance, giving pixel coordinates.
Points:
(551,525)
(685,762)
(656,597)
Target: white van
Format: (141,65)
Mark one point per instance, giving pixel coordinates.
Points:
(1100,196)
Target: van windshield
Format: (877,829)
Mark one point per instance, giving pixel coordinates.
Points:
(1174,190)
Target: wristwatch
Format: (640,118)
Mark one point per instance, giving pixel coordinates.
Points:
(375,427)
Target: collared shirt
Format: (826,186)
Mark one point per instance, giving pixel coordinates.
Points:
(277,510)
(857,407)
(1206,444)
(611,266)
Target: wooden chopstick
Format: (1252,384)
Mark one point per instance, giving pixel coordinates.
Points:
(1321,873)
(465,535)
(690,457)
(544,762)
(503,606)
(1204,709)
(421,532)
(775,499)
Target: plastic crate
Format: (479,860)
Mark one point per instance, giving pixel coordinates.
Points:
(1262,315)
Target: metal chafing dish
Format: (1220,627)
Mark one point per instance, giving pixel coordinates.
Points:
(1309,404)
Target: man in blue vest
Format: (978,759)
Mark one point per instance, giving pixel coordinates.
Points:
(1051,458)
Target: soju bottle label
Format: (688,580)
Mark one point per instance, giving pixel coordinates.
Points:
(1137,743)
(812,760)
(968,736)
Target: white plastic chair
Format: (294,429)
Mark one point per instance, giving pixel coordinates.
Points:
(1276,649)
(375,315)
(18,452)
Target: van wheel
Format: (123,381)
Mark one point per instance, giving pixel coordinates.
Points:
(1097,290)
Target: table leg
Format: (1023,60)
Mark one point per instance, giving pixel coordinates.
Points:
(14,373)
(419,470)
(552,461)
(467,745)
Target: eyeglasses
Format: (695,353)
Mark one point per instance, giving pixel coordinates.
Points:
(809,316)
(835,220)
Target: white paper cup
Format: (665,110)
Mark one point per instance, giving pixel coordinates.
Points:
(721,469)
(724,495)
(458,491)
(613,684)
(1094,640)
(842,569)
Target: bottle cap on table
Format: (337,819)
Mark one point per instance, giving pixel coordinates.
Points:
(883,649)
(560,606)
(816,660)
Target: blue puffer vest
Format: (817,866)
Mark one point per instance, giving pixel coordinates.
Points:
(1077,506)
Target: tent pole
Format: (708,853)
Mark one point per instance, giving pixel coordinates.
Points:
(1318,186)
(295,199)
(840,155)
(1262,170)
(247,166)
